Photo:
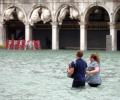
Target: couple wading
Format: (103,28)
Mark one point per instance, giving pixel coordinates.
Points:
(81,72)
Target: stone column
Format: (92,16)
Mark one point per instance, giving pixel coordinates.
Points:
(113,34)
(27,32)
(2,35)
(55,36)
(83,37)
(1,6)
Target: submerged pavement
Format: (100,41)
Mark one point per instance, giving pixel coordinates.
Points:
(41,75)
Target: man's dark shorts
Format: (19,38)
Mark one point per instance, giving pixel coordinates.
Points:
(77,84)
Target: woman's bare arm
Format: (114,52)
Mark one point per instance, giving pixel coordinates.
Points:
(96,70)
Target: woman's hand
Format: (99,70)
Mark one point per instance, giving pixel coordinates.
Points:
(89,73)
(93,72)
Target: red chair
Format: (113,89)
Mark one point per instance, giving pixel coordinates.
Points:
(33,44)
(6,44)
(12,44)
(22,44)
(18,44)
(9,43)
(38,44)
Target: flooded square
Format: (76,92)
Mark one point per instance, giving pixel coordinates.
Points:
(41,75)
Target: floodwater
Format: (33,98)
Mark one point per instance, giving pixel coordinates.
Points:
(41,75)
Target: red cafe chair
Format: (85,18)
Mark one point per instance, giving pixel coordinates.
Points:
(6,44)
(18,44)
(38,44)
(22,44)
(12,44)
(33,44)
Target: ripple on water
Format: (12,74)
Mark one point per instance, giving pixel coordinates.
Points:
(41,75)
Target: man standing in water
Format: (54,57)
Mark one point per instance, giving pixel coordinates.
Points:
(77,70)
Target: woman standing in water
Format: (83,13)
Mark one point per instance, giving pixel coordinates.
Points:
(93,71)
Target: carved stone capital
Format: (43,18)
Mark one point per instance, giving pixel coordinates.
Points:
(112,25)
(82,23)
(27,23)
(54,23)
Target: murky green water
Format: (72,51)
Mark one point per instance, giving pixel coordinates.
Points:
(40,75)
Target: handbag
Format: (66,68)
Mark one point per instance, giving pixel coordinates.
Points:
(71,75)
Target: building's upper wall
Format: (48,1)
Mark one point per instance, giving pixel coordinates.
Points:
(37,1)
(27,6)
(26,1)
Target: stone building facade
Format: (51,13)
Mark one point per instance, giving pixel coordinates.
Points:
(62,24)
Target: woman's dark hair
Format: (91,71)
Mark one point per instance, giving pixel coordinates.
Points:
(95,57)
(79,54)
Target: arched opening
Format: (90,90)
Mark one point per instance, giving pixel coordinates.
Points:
(117,21)
(13,23)
(42,32)
(41,28)
(15,29)
(69,33)
(97,28)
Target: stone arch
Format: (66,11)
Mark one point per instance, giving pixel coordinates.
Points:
(115,13)
(21,11)
(116,21)
(97,25)
(63,8)
(14,19)
(40,13)
(68,18)
(39,19)
(91,6)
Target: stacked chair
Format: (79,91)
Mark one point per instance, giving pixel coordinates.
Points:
(22,44)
